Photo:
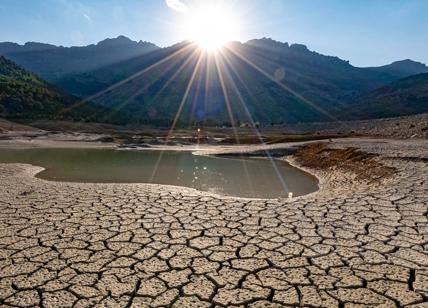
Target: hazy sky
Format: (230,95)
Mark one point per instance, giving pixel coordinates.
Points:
(365,32)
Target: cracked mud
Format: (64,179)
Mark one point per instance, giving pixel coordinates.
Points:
(349,245)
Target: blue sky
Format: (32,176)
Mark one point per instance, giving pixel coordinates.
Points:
(365,32)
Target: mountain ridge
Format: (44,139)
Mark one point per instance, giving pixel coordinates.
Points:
(54,62)
(276,81)
(12,47)
(34,46)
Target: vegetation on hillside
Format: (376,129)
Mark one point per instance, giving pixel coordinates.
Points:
(404,97)
(24,95)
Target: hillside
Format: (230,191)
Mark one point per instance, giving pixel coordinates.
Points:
(155,95)
(404,97)
(54,62)
(24,95)
(402,69)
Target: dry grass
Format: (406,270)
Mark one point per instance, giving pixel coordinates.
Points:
(11,126)
(366,166)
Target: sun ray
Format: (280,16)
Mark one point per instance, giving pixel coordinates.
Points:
(186,94)
(178,72)
(197,91)
(178,113)
(226,97)
(230,112)
(284,87)
(241,81)
(207,83)
(297,73)
(141,90)
(250,118)
(229,109)
(120,83)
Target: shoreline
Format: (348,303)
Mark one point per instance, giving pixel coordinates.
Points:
(284,152)
(205,150)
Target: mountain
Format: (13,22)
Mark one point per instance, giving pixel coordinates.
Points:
(406,96)
(160,81)
(277,82)
(402,69)
(54,62)
(261,80)
(24,95)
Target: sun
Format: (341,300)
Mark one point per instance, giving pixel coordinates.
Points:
(211,26)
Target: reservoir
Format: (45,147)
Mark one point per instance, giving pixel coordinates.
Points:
(234,176)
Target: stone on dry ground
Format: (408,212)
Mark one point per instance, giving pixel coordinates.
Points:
(349,245)
(414,126)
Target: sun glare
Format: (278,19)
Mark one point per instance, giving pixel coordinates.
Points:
(211,27)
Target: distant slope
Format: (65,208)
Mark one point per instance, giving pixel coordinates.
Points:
(326,80)
(53,62)
(23,95)
(402,69)
(407,96)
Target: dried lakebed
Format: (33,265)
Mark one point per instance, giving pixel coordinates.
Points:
(352,244)
(239,177)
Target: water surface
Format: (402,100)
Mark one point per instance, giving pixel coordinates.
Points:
(241,177)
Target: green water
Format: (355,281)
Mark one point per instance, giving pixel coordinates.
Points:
(253,178)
